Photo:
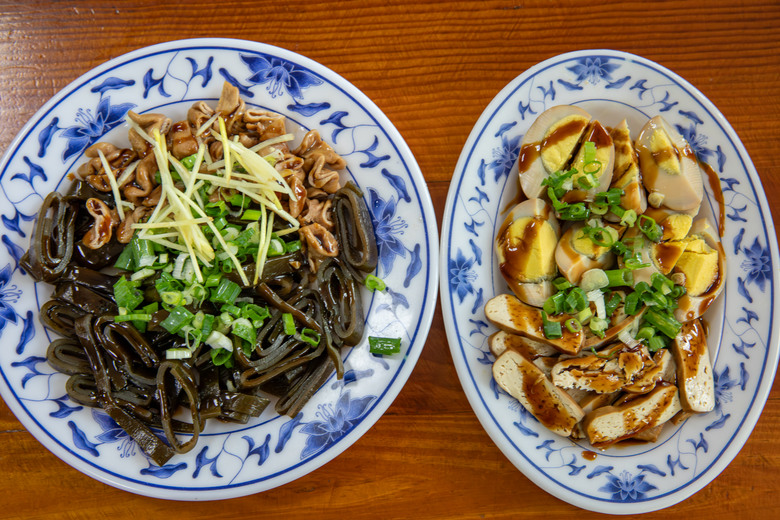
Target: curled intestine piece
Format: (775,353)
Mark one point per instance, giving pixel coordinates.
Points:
(198,114)
(319,212)
(124,231)
(183,143)
(143,181)
(320,244)
(324,178)
(215,150)
(231,107)
(102,229)
(151,122)
(267,124)
(296,206)
(312,147)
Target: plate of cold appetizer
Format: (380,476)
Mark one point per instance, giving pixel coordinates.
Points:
(219,269)
(609,301)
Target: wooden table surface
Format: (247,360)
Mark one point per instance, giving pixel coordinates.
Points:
(432,68)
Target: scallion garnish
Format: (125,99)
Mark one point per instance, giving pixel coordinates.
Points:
(289,323)
(374,283)
(384,346)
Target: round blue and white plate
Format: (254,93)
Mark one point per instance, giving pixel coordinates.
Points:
(743,331)
(229,460)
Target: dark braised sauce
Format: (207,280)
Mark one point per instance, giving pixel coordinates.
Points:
(528,154)
(542,404)
(518,254)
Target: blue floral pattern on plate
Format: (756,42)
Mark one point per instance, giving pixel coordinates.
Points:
(743,341)
(229,460)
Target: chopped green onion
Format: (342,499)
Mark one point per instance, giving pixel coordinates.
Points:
(235,310)
(598,208)
(593,279)
(573,325)
(310,336)
(635,262)
(665,324)
(125,260)
(645,333)
(384,346)
(588,151)
(598,326)
(552,329)
(217,340)
(189,161)
(178,318)
(239,200)
(146,272)
(575,301)
(221,356)
(292,246)
(126,294)
(612,303)
(132,317)
(656,343)
(561,283)
(632,304)
(374,283)
(554,304)
(244,330)
(628,218)
(600,236)
(619,277)
(649,228)
(226,292)
(172,298)
(212,280)
(588,181)
(584,315)
(661,283)
(289,323)
(251,214)
(178,353)
(577,211)
(610,197)
(275,247)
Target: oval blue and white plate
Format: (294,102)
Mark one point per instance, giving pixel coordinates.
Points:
(229,460)
(744,336)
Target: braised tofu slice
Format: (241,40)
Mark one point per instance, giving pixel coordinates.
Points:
(531,349)
(524,381)
(694,370)
(511,315)
(610,424)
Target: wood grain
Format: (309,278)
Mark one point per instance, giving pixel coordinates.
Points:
(432,67)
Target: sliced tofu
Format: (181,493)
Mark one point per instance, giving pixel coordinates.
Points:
(589,402)
(694,370)
(531,349)
(511,315)
(661,369)
(595,373)
(524,381)
(610,424)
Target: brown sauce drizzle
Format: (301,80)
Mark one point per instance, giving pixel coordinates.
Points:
(599,136)
(528,154)
(518,255)
(667,254)
(541,402)
(589,455)
(573,127)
